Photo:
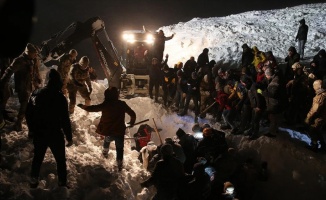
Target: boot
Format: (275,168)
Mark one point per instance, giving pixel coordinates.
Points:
(87,102)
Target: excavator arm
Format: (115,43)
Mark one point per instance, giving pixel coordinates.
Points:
(66,39)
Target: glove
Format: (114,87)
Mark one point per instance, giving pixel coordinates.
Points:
(131,124)
(69,143)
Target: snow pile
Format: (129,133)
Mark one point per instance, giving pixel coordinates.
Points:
(271,30)
(294,172)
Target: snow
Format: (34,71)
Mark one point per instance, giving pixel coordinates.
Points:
(295,172)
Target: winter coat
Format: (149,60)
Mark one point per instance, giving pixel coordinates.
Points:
(256,98)
(26,74)
(317,113)
(275,96)
(302,32)
(155,72)
(320,69)
(159,42)
(212,146)
(247,58)
(290,61)
(79,77)
(189,67)
(112,122)
(47,114)
(203,59)
(193,87)
(166,178)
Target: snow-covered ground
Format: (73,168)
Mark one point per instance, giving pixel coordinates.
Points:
(295,172)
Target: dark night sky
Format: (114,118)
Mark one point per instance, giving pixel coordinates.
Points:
(118,15)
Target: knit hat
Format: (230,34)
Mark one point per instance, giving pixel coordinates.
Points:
(166,150)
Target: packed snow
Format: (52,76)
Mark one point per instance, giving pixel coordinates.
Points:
(294,172)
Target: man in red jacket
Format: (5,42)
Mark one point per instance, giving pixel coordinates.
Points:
(112,122)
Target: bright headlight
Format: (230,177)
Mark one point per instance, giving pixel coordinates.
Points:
(149,38)
(129,37)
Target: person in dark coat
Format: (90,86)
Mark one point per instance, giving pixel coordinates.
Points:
(193,92)
(159,44)
(189,67)
(112,122)
(203,59)
(290,59)
(258,106)
(301,37)
(48,118)
(155,78)
(212,145)
(247,59)
(181,91)
(189,145)
(167,175)
(169,85)
(318,65)
(276,100)
(199,187)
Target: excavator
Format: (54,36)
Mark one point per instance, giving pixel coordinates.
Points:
(66,39)
(129,74)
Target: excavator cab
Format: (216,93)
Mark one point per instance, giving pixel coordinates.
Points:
(136,51)
(136,57)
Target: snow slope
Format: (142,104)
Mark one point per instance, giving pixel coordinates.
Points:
(295,173)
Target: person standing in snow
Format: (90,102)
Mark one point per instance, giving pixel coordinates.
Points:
(167,175)
(159,44)
(155,77)
(48,118)
(112,122)
(27,78)
(79,80)
(301,37)
(316,117)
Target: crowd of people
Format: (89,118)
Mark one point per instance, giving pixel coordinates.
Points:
(261,91)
